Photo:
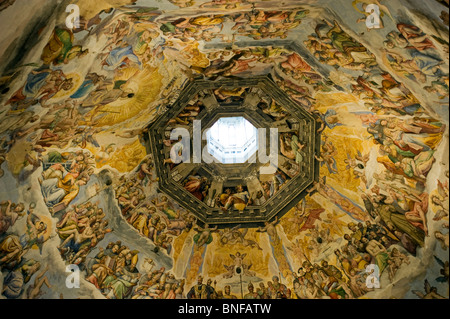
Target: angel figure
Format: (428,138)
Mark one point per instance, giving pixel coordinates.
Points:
(319,187)
(359,161)
(238,259)
(247,242)
(327,156)
(230,272)
(442,238)
(238,263)
(299,247)
(269,227)
(230,235)
(430,292)
(444,271)
(358,164)
(334,224)
(441,201)
(204,236)
(304,219)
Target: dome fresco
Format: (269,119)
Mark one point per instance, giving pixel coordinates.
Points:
(324,174)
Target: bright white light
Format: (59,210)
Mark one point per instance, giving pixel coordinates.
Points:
(232,140)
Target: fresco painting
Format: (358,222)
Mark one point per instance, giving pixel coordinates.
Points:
(81,186)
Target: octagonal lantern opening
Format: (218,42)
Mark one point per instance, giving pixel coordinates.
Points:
(232,140)
(222,177)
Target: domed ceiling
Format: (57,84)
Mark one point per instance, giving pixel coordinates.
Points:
(334,161)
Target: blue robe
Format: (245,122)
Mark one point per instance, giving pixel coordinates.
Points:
(426,63)
(83,90)
(116,57)
(34,83)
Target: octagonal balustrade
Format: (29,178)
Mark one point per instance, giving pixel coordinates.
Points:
(225,118)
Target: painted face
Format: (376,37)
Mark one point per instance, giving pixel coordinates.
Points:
(41,226)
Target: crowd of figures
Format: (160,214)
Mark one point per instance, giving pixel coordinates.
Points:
(156,219)
(80,229)
(15,247)
(66,173)
(114,270)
